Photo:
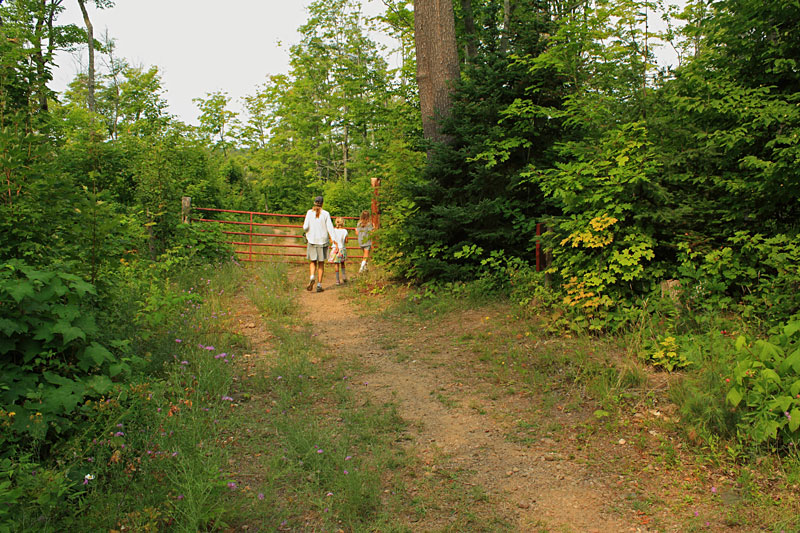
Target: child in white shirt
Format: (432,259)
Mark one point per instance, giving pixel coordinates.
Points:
(338,254)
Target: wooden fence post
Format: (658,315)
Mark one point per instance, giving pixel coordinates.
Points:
(548,260)
(376,214)
(186,209)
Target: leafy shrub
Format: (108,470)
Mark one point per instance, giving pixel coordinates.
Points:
(664,352)
(757,275)
(195,245)
(766,386)
(36,497)
(51,359)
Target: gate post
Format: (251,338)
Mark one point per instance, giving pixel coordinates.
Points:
(250,246)
(186,209)
(376,214)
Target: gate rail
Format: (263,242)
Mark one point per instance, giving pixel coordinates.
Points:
(253,246)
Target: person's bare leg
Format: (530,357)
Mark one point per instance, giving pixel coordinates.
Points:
(311,271)
(320,271)
(364,260)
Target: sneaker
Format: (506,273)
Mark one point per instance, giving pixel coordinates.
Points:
(310,284)
(319,288)
(338,282)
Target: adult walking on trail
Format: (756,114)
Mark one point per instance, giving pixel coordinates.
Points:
(317,228)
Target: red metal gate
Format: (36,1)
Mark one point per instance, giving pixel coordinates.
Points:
(266,236)
(286,240)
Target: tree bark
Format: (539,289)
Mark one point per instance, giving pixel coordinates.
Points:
(437,62)
(506,23)
(345,150)
(42,53)
(90,41)
(469,29)
(38,56)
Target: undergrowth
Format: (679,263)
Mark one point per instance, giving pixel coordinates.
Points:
(143,455)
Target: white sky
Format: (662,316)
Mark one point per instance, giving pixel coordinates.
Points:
(202,46)
(199,46)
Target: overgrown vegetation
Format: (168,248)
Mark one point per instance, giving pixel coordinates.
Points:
(669,199)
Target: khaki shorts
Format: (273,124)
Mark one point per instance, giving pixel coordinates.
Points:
(317,252)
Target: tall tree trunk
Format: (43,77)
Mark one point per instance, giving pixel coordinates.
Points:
(90,41)
(43,30)
(437,62)
(506,23)
(113,126)
(469,29)
(345,149)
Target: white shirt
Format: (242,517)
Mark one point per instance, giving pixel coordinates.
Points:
(318,228)
(340,237)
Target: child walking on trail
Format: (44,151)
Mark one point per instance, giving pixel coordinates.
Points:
(363,230)
(317,228)
(338,254)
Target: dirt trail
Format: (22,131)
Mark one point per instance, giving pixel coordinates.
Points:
(536,487)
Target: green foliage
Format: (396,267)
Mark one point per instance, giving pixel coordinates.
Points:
(327,124)
(51,358)
(607,243)
(216,121)
(666,353)
(141,453)
(194,246)
(343,198)
(755,275)
(766,387)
